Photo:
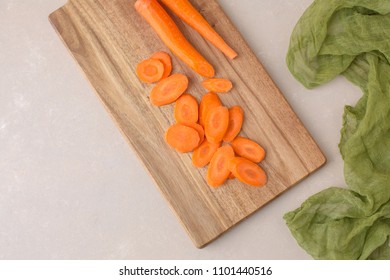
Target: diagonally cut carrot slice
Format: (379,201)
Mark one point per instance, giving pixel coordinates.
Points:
(209,101)
(218,171)
(218,85)
(247,171)
(216,124)
(203,154)
(248,149)
(186,109)
(198,128)
(169,90)
(183,138)
(150,70)
(236,119)
(166,61)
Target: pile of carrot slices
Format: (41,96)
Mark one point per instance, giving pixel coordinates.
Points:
(208,129)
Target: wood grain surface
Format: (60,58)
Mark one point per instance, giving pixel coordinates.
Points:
(108,38)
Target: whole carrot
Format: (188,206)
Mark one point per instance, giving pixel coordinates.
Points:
(170,34)
(187,12)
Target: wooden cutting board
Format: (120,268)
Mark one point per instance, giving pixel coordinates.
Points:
(108,38)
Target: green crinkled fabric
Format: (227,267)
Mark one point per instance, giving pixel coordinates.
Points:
(351,38)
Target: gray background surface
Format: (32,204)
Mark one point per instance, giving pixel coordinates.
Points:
(71,188)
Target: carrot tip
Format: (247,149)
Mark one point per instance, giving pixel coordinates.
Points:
(169,33)
(187,12)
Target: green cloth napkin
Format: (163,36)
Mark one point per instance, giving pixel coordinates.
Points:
(351,38)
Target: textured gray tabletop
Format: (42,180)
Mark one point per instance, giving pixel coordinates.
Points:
(71,188)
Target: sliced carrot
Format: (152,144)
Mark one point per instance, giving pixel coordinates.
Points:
(170,34)
(166,61)
(231,176)
(186,109)
(203,154)
(198,128)
(193,18)
(169,90)
(247,171)
(218,171)
(236,119)
(219,85)
(150,70)
(183,138)
(216,124)
(248,149)
(209,101)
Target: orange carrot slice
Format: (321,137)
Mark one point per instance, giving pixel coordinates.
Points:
(166,61)
(231,176)
(183,138)
(186,109)
(169,90)
(248,149)
(247,171)
(236,119)
(209,101)
(203,154)
(219,85)
(170,34)
(198,128)
(193,18)
(216,124)
(218,171)
(150,70)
